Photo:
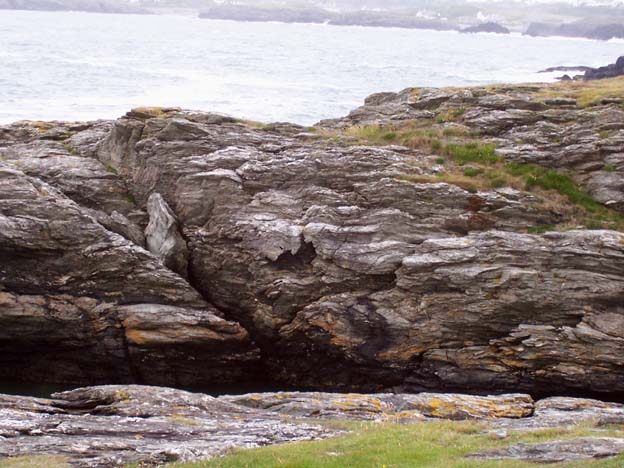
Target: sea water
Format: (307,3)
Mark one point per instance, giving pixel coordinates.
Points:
(81,66)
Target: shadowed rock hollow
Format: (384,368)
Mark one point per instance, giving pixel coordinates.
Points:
(182,248)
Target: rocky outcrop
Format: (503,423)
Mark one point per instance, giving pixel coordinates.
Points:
(113,426)
(163,237)
(609,71)
(551,126)
(186,248)
(601,30)
(488,27)
(559,451)
(283,13)
(388,406)
(311,14)
(81,303)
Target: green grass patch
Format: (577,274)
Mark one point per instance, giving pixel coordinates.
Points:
(442,444)
(463,153)
(131,199)
(609,168)
(111,169)
(541,229)
(549,179)
(451,114)
(472,171)
(70,149)
(455,148)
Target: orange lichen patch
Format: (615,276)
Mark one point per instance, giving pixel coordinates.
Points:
(401,354)
(152,112)
(41,126)
(149,111)
(172,336)
(405,416)
(122,396)
(357,402)
(472,407)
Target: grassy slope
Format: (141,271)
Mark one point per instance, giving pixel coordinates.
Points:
(437,444)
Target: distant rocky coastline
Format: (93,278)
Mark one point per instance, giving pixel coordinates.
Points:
(604,30)
(610,71)
(598,28)
(393,19)
(488,27)
(588,29)
(92,6)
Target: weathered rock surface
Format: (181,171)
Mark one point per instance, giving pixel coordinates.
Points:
(309,261)
(163,237)
(528,123)
(559,451)
(111,426)
(388,406)
(114,426)
(81,304)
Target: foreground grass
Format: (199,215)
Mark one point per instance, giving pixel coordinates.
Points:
(36,461)
(441,444)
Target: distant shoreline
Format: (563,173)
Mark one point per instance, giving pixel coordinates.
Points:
(376,19)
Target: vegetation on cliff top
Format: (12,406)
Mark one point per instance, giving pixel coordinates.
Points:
(586,93)
(472,163)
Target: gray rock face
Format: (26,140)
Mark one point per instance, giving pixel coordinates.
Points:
(527,123)
(381,407)
(559,451)
(113,426)
(80,303)
(313,262)
(163,237)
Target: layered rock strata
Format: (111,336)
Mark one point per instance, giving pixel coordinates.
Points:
(183,248)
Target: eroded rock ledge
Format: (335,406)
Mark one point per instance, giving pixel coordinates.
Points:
(112,426)
(182,248)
